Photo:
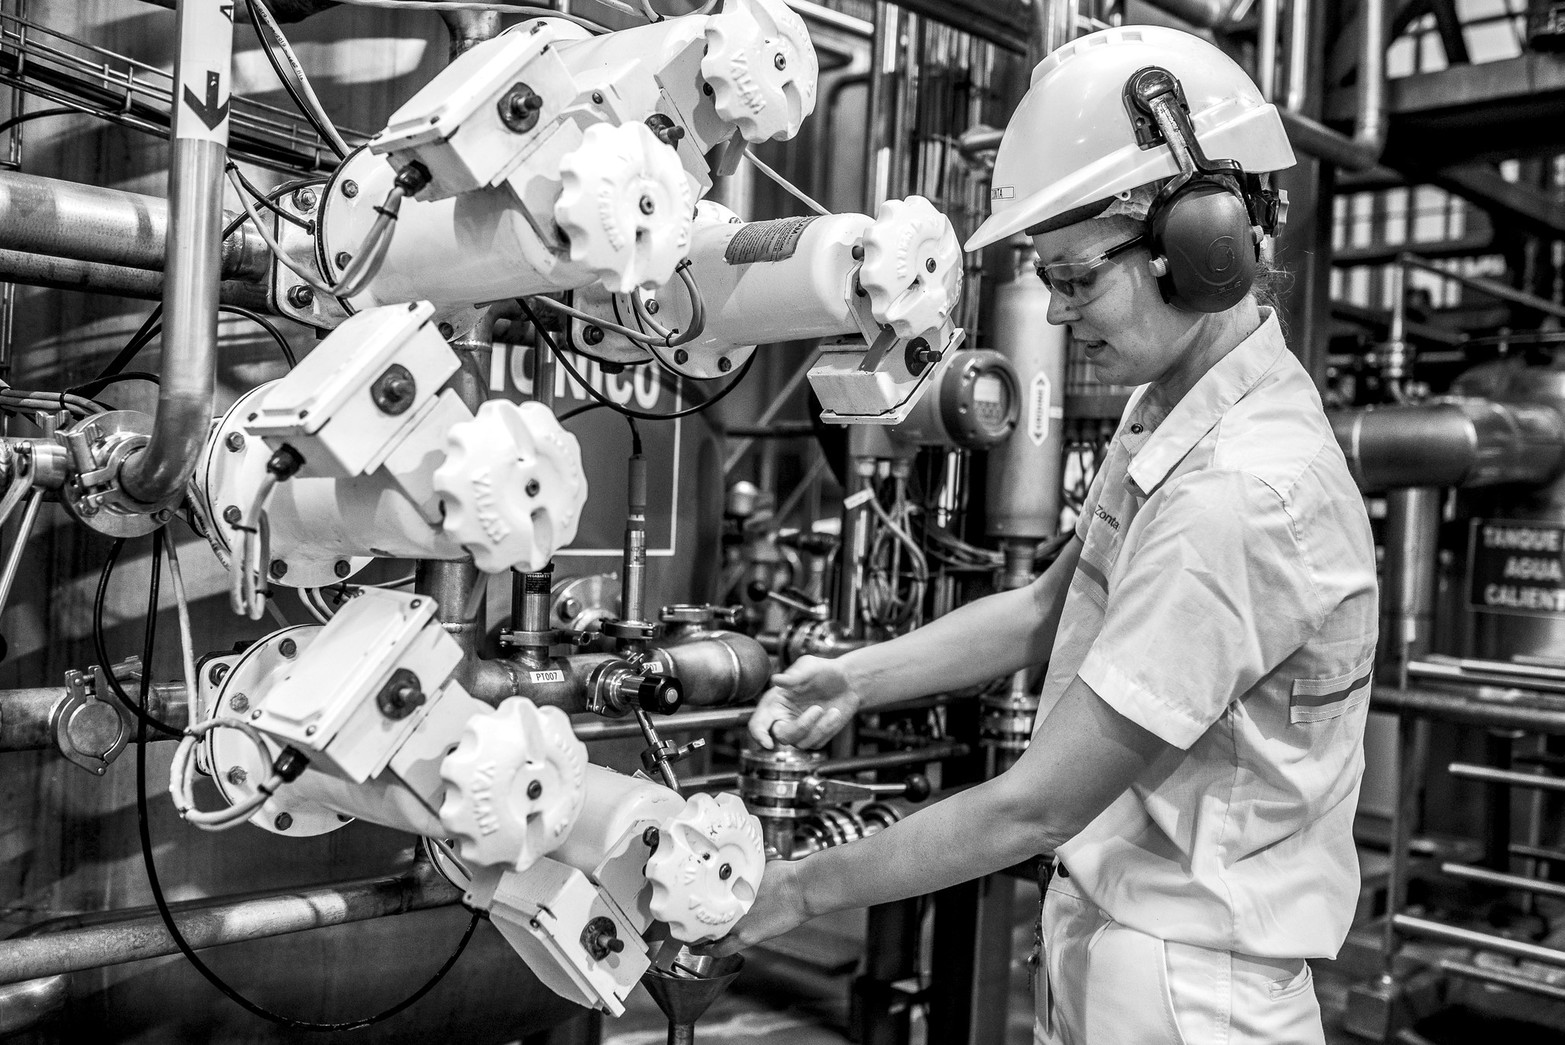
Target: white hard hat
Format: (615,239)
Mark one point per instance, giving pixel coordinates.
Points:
(1072,142)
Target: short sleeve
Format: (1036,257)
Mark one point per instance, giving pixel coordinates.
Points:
(1214,596)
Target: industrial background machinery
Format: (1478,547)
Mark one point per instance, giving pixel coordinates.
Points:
(438,428)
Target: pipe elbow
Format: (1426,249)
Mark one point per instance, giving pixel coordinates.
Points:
(716,668)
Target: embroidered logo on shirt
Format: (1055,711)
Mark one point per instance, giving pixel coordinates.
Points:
(1105,516)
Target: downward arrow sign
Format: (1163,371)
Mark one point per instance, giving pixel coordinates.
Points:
(209,112)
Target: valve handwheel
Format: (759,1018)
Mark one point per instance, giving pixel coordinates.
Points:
(707,867)
(912,268)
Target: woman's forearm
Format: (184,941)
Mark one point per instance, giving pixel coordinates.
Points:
(992,637)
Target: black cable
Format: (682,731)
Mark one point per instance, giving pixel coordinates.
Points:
(38,114)
(287,81)
(98,384)
(267,202)
(143,718)
(266,325)
(640,415)
(576,411)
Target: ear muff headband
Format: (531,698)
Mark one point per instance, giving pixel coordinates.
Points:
(1206,223)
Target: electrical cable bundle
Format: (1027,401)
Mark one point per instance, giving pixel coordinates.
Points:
(890,596)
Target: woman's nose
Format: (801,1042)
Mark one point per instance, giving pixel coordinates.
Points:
(1061,310)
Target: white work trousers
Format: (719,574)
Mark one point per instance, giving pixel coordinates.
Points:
(1101,983)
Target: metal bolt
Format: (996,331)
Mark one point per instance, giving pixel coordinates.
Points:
(301,296)
(162,515)
(446,330)
(725,364)
(288,648)
(652,306)
(532,488)
(535,790)
(597,97)
(237,775)
(647,206)
(680,356)
(569,608)
(343,257)
(341,567)
(283,822)
(415,604)
(232,515)
(240,703)
(304,198)
(217,674)
(255,714)
(592,335)
(279,568)
(650,838)
(309,731)
(929,264)
(235,441)
(350,188)
(781,62)
(725,872)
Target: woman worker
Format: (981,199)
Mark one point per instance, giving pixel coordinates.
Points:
(1210,633)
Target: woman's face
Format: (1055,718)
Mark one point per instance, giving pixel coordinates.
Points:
(1128,332)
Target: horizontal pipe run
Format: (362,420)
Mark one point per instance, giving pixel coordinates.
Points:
(111,226)
(858,764)
(1537,852)
(1461,442)
(1529,712)
(1411,925)
(1490,775)
(591,727)
(42,270)
(25,714)
(1501,978)
(1488,286)
(1484,876)
(204,924)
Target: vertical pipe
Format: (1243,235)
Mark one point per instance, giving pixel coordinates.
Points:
(635,565)
(1411,751)
(1298,54)
(1411,562)
(1266,50)
(885,122)
(193,259)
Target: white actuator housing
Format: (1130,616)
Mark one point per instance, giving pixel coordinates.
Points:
(561,159)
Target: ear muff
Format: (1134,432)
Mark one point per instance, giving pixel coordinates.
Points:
(1205,225)
(1204,244)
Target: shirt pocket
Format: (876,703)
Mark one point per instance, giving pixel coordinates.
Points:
(1316,700)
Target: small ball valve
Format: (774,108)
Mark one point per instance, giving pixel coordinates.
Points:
(912,268)
(707,867)
(515,784)
(761,67)
(512,486)
(625,205)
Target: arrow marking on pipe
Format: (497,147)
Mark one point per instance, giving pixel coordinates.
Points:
(208,110)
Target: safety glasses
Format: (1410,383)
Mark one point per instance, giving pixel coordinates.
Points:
(1073,281)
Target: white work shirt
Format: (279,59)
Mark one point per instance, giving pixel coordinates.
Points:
(1226,601)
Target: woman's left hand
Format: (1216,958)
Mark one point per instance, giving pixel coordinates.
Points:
(779,907)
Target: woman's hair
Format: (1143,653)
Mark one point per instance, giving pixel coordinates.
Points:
(1271,283)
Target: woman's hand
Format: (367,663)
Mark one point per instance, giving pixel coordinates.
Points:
(806,705)
(779,907)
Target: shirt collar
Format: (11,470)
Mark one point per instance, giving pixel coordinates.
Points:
(1171,438)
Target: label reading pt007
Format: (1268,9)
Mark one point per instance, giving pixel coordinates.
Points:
(766,241)
(540,677)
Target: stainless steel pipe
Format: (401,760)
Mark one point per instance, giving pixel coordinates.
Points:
(1535,713)
(1485,876)
(205,924)
(111,226)
(1463,442)
(1508,777)
(594,728)
(1363,150)
(193,259)
(26,714)
(1432,930)
(41,270)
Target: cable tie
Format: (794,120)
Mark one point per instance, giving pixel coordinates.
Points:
(388,213)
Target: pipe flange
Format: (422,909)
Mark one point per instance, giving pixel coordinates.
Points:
(233,760)
(761,67)
(912,269)
(707,867)
(626,207)
(95,498)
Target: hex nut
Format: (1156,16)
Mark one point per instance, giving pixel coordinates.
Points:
(283,822)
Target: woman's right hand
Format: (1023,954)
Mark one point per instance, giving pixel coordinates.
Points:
(806,705)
